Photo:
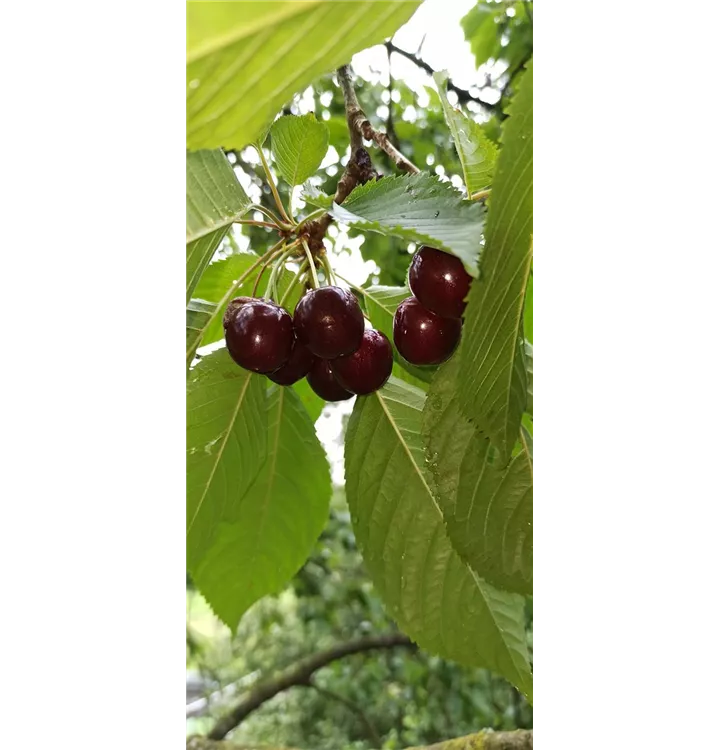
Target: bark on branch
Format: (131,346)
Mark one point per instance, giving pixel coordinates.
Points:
(300,674)
(359,125)
(520,739)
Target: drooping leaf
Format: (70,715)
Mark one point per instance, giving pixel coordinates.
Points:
(476,150)
(381,303)
(436,599)
(417,208)
(199,314)
(245,60)
(226,445)
(214,200)
(487,506)
(268,532)
(312,403)
(492,388)
(315,197)
(299,144)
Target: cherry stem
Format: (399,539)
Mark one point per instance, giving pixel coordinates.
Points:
(293,282)
(269,214)
(353,285)
(273,282)
(309,217)
(331,276)
(230,292)
(311,263)
(272,186)
(253,223)
(263,269)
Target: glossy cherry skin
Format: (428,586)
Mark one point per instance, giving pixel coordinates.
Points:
(438,280)
(421,336)
(324,384)
(259,336)
(329,322)
(232,308)
(368,368)
(298,365)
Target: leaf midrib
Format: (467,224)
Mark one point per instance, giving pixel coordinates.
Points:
(220,452)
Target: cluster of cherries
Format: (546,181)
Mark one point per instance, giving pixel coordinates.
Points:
(326,341)
(427,326)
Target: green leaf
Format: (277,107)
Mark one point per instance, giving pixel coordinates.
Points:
(381,303)
(436,599)
(199,314)
(312,403)
(529,310)
(199,254)
(267,533)
(226,445)
(315,197)
(492,389)
(214,196)
(214,200)
(221,274)
(476,150)
(529,377)
(246,60)
(481,32)
(418,208)
(487,507)
(298,145)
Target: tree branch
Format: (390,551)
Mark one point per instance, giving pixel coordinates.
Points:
(519,739)
(300,674)
(463,95)
(359,125)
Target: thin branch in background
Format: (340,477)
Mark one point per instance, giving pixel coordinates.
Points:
(390,130)
(462,94)
(372,734)
(300,674)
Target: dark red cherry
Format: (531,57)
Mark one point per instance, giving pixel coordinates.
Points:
(368,368)
(259,335)
(299,363)
(438,280)
(421,336)
(232,308)
(329,322)
(324,384)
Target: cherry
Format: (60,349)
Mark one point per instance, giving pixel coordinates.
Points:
(259,335)
(299,363)
(329,322)
(324,384)
(368,368)
(438,280)
(421,336)
(232,308)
